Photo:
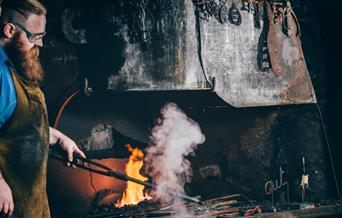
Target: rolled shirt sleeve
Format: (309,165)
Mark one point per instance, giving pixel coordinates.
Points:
(8,98)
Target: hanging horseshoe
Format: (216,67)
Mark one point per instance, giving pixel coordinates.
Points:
(224,14)
(77,36)
(234,15)
(217,14)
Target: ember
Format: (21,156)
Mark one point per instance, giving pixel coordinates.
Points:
(134,192)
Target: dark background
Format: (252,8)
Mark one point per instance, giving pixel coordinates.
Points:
(330,18)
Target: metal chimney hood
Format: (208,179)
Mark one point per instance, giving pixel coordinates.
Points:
(177,50)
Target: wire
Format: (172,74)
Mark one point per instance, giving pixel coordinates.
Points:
(91,182)
(329,151)
(63,106)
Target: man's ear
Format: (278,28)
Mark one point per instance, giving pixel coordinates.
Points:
(9,30)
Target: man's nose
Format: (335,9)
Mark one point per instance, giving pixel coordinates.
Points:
(39,43)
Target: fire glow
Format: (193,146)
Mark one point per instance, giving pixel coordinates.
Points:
(134,193)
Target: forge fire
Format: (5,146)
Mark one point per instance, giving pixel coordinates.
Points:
(134,193)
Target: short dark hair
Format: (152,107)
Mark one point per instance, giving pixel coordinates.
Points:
(20,10)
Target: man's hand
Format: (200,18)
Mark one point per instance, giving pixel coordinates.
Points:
(70,148)
(6,199)
(66,144)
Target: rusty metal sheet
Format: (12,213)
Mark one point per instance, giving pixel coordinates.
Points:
(186,56)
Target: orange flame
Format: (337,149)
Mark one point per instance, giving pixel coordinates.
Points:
(134,193)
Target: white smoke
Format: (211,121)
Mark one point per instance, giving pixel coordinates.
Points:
(173,138)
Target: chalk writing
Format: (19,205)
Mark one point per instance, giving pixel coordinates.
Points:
(273,186)
(65,58)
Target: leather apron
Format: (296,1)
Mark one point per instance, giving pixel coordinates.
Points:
(24,144)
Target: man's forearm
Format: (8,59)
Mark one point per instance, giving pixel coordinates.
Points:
(66,143)
(55,136)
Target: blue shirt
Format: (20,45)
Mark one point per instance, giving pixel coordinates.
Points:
(8,97)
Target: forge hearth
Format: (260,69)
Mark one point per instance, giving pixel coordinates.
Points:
(244,149)
(227,206)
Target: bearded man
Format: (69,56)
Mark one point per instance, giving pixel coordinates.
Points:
(25,134)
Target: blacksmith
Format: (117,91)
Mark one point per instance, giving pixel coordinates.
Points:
(25,134)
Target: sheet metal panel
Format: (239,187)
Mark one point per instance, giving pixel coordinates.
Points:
(172,60)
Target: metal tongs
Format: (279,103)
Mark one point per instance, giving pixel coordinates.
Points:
(58,154)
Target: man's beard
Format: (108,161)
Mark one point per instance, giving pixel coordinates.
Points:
(26,62)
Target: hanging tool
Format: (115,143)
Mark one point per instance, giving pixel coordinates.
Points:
(263,58)
(234,15)
(304,181)
(224,13)
(256,14)
(290,24)
(245,5)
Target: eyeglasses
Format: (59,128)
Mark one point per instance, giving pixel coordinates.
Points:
(32,37)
